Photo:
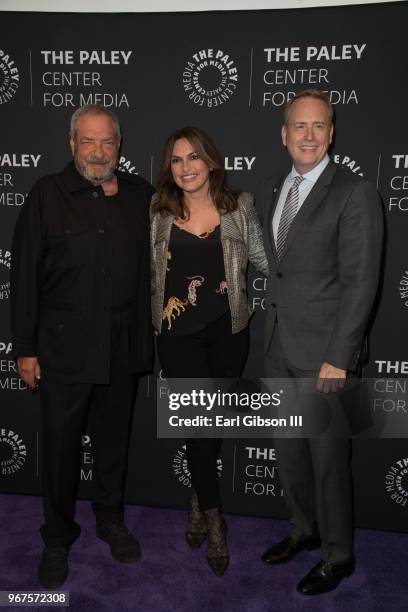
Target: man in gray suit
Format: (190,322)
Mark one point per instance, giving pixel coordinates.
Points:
(323,237)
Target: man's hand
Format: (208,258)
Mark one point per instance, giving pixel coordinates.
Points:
(330,378)
(29,370)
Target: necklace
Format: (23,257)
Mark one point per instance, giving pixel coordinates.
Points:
(202,236)
(205,235)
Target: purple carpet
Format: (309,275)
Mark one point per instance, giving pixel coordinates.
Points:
(171,577)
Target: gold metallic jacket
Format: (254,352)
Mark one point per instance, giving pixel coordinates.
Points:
(241,239)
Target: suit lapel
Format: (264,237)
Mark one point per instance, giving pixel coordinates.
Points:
(272,196)
(316,195)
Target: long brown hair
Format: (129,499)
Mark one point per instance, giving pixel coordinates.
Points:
(169,198)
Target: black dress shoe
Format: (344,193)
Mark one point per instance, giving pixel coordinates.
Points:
(284,551)
(53,567)
(123,545)
(324,577)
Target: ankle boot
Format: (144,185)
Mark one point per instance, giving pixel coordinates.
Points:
(217,551)
(196,526)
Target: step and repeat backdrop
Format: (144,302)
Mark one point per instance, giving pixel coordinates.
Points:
(230,74)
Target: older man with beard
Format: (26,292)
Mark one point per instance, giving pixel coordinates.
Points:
(81,325)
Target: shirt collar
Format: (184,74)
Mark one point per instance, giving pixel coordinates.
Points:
(314,174)
(76,182)
(73,180)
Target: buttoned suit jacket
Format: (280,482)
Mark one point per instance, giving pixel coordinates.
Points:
(322,289)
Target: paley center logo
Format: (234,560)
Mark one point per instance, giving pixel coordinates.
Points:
(210,77)
(260,474)
(396,482)
(75,77)
(258,299)
(126,165)
(9,378)
(398,200)
(9,77)
(5,265)
(180,467)
(86,472)
(347,161)
(6,347)
(13,452)
(403,288)
(386,366)
(9,164)
(239,163)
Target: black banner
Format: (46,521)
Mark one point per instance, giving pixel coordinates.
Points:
(229,74)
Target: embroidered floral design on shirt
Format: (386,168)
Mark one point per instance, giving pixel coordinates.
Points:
(223,288)
(196,281)
(173,309)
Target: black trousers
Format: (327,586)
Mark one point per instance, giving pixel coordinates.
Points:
(315,475)
(212,352)
(66,407)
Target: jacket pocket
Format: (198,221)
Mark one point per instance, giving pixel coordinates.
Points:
(61,340)
(67,233)
(70,248)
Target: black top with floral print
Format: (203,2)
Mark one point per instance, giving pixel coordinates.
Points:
(196,293)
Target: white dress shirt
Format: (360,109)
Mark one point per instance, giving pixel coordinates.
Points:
(305,188)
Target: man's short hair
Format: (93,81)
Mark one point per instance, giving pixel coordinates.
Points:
(309,93)
(94,109)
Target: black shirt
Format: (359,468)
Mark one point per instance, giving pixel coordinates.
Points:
(78,256)
(119,223)
(195,289)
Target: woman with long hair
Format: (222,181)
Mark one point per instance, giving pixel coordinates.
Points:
(202,237)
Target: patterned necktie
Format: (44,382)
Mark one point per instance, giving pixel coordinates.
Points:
(288,214)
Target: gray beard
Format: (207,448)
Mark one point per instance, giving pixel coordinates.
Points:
(96,179)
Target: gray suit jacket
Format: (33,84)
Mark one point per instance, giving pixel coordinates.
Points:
(322,290)
(241,239)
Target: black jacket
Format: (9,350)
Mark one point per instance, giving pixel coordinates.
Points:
(61,277)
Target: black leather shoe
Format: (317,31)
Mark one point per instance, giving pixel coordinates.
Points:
(53,567)
(284,551)
(324,577)
(123,545)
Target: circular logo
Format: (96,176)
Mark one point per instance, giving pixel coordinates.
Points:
(126,165)
(5,265)
(9,77)
(348,162)
(210,78)
(403,288)
(396,482)
(13,452)
(180,467)
(86,440)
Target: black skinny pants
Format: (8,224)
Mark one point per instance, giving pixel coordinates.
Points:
(212,352)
